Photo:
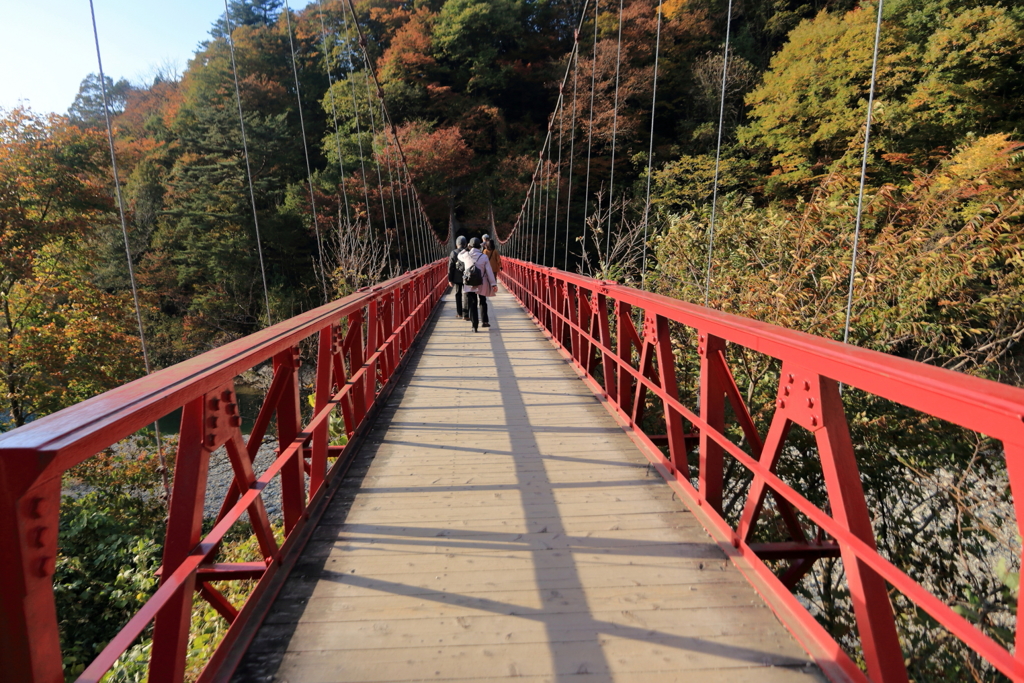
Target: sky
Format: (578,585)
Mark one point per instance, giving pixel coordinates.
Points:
(47,48)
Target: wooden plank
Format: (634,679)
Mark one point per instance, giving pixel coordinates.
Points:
(498,523)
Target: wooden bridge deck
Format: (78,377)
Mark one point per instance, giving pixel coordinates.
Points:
(498,523)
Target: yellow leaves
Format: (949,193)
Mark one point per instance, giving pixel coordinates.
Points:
(673,9)
(979,161)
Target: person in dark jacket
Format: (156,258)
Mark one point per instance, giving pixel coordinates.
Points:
(455,269)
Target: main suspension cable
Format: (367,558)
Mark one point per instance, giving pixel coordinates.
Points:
(245,152)
(165,481)
(650,147)
(718,156)
(863,175)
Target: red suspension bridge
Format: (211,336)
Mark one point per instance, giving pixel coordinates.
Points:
(501,506)
(487,529)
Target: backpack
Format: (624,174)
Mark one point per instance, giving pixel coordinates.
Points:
(472,277)
(455,268)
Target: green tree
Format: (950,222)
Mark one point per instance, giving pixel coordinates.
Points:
(247,13)
(87,109)
(471,37)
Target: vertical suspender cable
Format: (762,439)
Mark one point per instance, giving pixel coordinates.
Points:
(355,113)
(590,135)
(305,149)
(863,174)
(245,152)
(718,155)
(412,213)
(650,147)
(436,242)
(376,159)
(547,201)
(527,212)
(558,178)
(531,222)
(401,201)
(522,220)
(529,245)
(572,151)
(127,249)
(538,201)
(334,114)
(615,122)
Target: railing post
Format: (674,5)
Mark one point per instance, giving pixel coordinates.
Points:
(868,591)
(370,377)
(573,313)
(610,382)
(29,639)
(324,382)
(354,343)
(712,411)
(623,395)
(289,421)
(667,380)
(184,531)
(1014,455)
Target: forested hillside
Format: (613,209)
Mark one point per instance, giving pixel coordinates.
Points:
(470,87)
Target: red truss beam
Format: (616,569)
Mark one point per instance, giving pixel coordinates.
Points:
(362,340)
(576,313)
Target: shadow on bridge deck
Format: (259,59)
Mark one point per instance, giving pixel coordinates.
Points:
(497,523)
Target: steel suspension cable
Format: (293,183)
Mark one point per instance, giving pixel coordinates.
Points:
(572,153)
(376,163)
(650,147)
(355,113)
(380,93)
(546,180)
(401,201)
(863,174)
(718,156)
(334,114)
(538,201)
(558,180)
(245,152)
(412,214)
(305,149)
(165,481)
(590,138)
(615,125)
(519,222)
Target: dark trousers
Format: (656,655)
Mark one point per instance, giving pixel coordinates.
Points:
(483,310)
(457,288)
(471,308)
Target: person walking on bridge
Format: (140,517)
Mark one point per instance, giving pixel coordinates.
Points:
(455,269)
(491,252)
(478,278)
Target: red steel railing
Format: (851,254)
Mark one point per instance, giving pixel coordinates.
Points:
(361,341)
(577,312)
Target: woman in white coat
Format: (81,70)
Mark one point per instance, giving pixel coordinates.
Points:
(477,294)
